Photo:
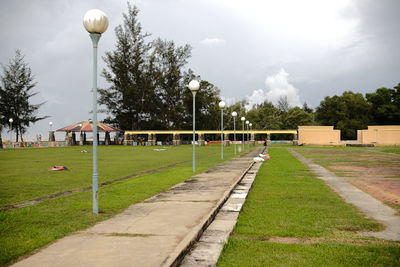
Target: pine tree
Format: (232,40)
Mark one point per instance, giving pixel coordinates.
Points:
(16,87)
(128,71)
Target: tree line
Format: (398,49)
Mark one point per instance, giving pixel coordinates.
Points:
(148,90)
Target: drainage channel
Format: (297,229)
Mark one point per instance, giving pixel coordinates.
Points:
(206,251)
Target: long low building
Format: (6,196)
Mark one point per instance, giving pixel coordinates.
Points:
(131,136)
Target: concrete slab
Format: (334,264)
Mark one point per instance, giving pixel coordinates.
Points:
(100,250)
(232,207)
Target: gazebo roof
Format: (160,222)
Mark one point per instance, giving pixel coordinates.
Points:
(87,126)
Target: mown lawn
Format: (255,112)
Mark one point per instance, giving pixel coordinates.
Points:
(288,204)
(24,172)
(26,229)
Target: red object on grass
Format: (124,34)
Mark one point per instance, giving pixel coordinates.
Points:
(58,168)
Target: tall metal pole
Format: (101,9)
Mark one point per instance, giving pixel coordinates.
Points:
(95,178)
(248,141)
(234,132)
(222,133)
(194,135)
(243,135)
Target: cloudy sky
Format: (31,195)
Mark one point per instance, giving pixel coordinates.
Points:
(253,49)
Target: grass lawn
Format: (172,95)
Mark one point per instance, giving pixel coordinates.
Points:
(24,172)
(293,219)
(26,229)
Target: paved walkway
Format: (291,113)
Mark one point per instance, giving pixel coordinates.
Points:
(156,232)
(366,203)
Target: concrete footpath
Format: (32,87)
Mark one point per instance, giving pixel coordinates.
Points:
(156,232)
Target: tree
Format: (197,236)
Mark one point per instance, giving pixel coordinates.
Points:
(169,60)
(385,105)
(347,112)
(130,99)
(16,87)
(207,109)
(265,116)
(297,116)
(147,80)
(306,108)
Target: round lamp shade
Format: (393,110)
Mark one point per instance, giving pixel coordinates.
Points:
(221,104)
(11,120)
(50,123)
(250,124)
(242,118)
(234,114)
(95,21)
(194,85)
(247,122)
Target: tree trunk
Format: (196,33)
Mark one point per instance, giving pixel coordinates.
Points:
(1,140)
(20,131)
(16,134)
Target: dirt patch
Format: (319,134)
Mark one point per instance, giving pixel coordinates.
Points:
(386,191)
(389,170)
(293,240)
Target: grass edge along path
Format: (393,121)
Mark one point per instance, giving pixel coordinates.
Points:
(24,230)
(292,218)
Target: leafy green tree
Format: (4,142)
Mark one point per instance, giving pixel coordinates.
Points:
(131,99)
(347,112)
(16,87)
(297,116)
(240,109)
(265,116)
(169,61)
(385,106)
(147,80)
(306,108)
(207,109)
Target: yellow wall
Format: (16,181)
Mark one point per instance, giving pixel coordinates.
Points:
(380,135)
(318,135)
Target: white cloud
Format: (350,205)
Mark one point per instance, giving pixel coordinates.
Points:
(257,97)
(278,86)
(212,41)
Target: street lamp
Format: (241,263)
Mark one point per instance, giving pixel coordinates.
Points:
(243,119)
(95,22)
(10,121)
(251,128)
(247,125)
(194,87)
(221,105)
(234,115)
(50,125)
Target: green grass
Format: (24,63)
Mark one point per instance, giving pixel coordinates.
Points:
(26,229)
(24,172)
(395,150)
(288,201)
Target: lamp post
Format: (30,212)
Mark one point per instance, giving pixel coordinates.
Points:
(194,87)
(51,125)
(247,126)
(10,121)
(221,105)
(243,119)
(251,128)
(234,115)
(95,22)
